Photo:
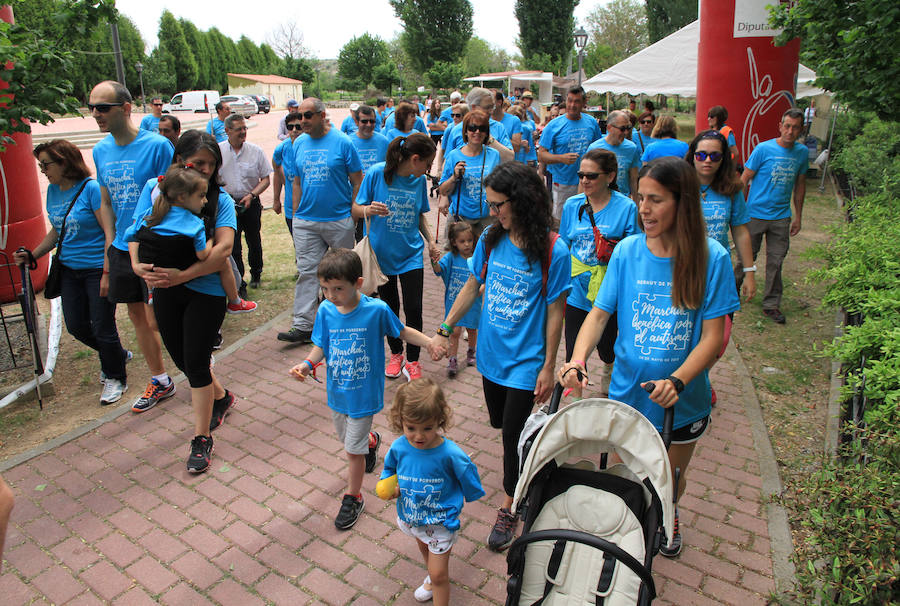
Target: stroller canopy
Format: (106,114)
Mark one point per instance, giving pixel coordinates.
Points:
(597,425)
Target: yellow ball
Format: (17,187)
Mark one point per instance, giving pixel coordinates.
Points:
(385,488)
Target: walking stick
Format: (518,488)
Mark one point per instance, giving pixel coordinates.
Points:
(26,299)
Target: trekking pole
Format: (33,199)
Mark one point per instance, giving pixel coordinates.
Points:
(28,310)
(437,230)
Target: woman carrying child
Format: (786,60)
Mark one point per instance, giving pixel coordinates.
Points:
(189,300)
(394,194)
(434,476)
(453,269)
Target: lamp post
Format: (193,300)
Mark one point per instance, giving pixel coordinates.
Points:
(581,38)
(140,70)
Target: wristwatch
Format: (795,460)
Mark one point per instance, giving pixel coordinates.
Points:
(677,383)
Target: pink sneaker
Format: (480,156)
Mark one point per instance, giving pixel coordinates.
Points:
(395,366)
(242,307)
(412,371)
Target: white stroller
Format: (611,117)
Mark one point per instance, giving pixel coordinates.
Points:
(590,533)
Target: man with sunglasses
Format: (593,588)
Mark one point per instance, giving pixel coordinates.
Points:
(371,146)
(284,172)
(125,160)
(618,125)
(151,121)
(328,175)
(774,173)
(563,142)
(292,108)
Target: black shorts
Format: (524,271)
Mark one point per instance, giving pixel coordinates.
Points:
(124,285)
(691,432)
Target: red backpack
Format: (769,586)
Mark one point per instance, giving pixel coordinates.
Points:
(545,263)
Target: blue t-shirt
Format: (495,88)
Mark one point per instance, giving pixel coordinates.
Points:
(150,123)
(85,241)
(216,128)
(371,151)
(665,147)
(284,157)
(433,482)
(123,170)
(455,273)
(628,156)
(396,240)
(324,166)
(394,132)
(616,220)
(565,136)
(453,137)
(512,328)
(419,124)
(471,192)
(177,222)
(643,141)
(209,284)
(447,116)
(722,212)
(655,338)
(777,169)
(527,135)
(512,124)
(348,126)
(432,123)
(354,351)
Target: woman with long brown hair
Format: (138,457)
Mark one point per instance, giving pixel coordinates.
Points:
(672,294)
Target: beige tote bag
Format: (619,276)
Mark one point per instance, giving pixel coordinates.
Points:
(372,276)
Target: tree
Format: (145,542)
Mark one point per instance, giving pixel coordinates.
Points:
(597,57)
(434,31)
(545,36)
(223,60)
(621,25)
(172,41)
(444,74)
(667,16)
(251,58)
(196,41)
(287,41)
(359,58)
(483,58)
(298,68)
(37,65)
(848,44)
(159,72)
(386,75)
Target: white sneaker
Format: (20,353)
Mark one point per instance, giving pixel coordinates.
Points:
(421,594)
(128,357)
(112,391)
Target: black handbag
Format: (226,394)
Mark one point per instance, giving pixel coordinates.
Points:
(53,285)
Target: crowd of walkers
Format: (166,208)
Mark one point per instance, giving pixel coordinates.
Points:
(612,234)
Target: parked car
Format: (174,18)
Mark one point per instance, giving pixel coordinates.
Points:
(241,104)
(263,104)
(197,101)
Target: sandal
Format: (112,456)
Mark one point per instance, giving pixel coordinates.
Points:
(422,594)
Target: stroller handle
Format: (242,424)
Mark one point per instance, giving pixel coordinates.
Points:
(668,417)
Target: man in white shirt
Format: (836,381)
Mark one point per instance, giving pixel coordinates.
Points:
(245,171)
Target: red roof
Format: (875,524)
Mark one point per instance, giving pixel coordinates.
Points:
(267,79)
(506,74)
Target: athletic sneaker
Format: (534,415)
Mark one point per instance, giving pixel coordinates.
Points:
(674,548)
(128,357)
(201,451)
(372,457)
(296,335)
(452,367)
(153,395)
(504,531)
(470,357)
(220,409)
(351,508)
(395,366)
(412,371)
(112,391)
(241,307)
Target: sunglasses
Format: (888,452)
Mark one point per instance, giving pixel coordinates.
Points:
(646,121)
(456,115)
(496,206)
(367,121)
(702,155)
(103,107)
(589,176)
(157,105)
(308,115)
(45,165)
(473,128)
(621,128)
(292,126)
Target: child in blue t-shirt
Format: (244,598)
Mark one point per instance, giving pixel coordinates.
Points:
(349,334)
(173,234)
(432,477)
(454,271)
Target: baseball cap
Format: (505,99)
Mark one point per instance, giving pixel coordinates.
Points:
(527,95)
(292,103)
(354,107)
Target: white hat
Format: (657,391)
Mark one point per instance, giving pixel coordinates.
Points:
(354,107)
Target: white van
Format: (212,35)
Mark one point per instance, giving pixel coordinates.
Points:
(196,101)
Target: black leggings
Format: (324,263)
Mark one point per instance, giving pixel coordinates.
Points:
(575,318)
(411,282)
(508,409)
(188,323)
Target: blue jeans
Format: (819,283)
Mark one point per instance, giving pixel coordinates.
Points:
(91,318)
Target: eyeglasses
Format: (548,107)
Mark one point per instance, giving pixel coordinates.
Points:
(292,126)
(473,128)
(456,115)
(496,206)
(103,107)
(45,165)
(702,155)
(367,121)
(589,176)
(646,121)
(621,128)
(308,115)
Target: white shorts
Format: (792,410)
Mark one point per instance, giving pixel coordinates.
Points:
(354,433)
(436,536)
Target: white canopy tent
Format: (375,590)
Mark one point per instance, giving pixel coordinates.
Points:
(520,79)
(669,67)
